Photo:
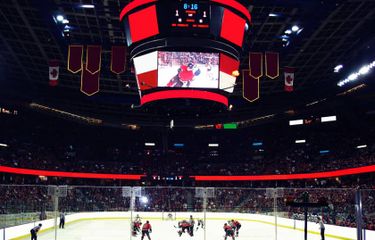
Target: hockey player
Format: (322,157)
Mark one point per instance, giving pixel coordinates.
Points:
(236,226)
(191,227)
(183,225)
(136,227)
(146,230)
(34,231)
(228,231)
(200,224)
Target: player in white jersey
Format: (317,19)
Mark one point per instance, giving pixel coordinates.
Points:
(321,226)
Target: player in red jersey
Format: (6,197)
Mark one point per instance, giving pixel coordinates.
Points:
(228,231)
(183,225)
(236,226)
(136,227)
(146,230)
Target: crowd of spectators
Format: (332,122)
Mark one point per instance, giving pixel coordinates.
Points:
(62,146)
(340,210)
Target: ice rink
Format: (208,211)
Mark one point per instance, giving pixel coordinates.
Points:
(119,229)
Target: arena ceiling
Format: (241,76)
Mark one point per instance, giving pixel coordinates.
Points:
(333,32)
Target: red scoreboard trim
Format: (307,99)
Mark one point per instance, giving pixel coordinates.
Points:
(195,94)
(274,177)
(47,173)
(132,5)
(235,5)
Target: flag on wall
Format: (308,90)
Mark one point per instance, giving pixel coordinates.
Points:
(53,72)
(288,78)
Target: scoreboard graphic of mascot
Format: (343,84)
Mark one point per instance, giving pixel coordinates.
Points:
(185,49)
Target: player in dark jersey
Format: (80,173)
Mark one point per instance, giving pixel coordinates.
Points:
(228,231)
(191,227)
(236,226)
(146,230)
(34,231)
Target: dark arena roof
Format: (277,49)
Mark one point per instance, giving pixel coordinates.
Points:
(330,33)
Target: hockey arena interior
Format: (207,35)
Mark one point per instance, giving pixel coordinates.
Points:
(187,119)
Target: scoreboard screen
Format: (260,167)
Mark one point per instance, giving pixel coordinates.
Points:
(190,15)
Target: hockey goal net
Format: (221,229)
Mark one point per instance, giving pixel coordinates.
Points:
(169,216)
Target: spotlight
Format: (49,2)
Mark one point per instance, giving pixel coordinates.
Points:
(60,18)
(65,21)
(295,28)
(144,199)
(273,15)
(364,70)
(338,68)
(87,6)
(288,31)
(353,76)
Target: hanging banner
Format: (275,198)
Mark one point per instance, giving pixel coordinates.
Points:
(272,64)
(250,86)
(75,53)
(93,58)
(53,72)
(118,59)
(256,64)
(89,82)
(288,78)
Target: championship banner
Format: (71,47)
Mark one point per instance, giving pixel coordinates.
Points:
(118,59)
(89,82)
(53,73)
(256,64)
(75,53)
(93,58)
(272,64)
(288,78)
(250,86)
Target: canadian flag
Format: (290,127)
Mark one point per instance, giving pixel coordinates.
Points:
(288,78)
(53,73)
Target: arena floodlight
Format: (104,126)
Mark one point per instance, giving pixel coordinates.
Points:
(295,28)
(300,141)
(365,69)
(144,199)
(288,31)
(87,6)
(3,145)
(149,144)
(296,122)
(60,18)
(329,119)
(213,145)
(273,15)
(65,21)
(361,146)
(338,68)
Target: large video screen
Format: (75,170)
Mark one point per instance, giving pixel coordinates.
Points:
(188,69)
